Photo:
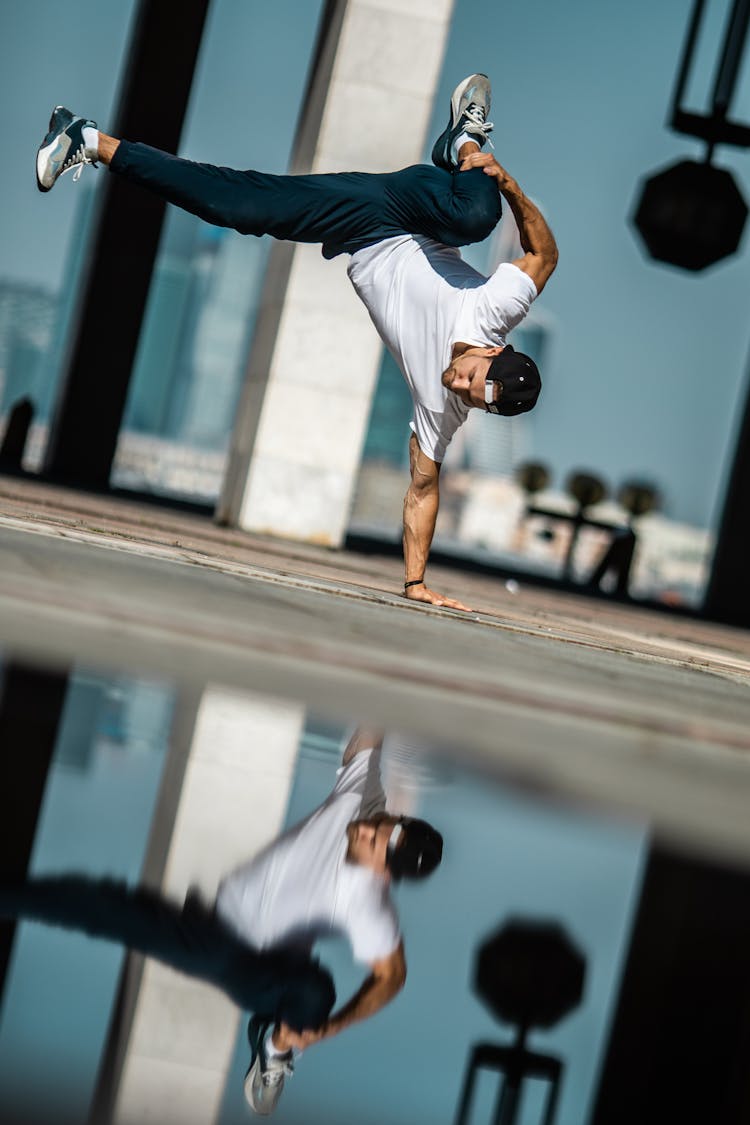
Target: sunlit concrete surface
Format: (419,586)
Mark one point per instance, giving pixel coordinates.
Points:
(636,711)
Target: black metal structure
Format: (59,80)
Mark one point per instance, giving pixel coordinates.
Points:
(31,704)
(714,128)
(153,102)
(728,594)
(681,1033)
(692,214)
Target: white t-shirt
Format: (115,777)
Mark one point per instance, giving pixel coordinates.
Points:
(423,298)
(300,888)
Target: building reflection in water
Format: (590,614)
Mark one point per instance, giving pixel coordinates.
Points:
(174,789)
(108,739)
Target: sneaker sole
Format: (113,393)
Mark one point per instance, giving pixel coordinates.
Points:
(49,159)
(259,1108)
(255,1031)
(54,149)
(249,1093)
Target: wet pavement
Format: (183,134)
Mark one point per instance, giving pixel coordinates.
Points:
(210,680)
(644,712)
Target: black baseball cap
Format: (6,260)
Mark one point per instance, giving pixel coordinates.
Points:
(519,378)
(414,850)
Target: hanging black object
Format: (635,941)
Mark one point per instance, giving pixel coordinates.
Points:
(692,214)
(530,973)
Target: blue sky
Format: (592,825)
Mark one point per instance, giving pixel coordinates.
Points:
(646,368)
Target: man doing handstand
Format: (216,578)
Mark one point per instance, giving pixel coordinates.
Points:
(444,323)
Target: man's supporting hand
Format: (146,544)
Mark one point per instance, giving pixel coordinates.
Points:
(422,593)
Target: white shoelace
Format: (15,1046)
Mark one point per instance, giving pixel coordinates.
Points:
(77,161)
(475,115)
(277,1068)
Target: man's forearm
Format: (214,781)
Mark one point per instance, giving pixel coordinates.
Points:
(374,994)
(420,517)
(364,738)
(537,240)
(385,981)
(536,237)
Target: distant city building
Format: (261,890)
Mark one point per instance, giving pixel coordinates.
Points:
(27,315)
(160,368)
(222,334)
(387,436)
(202,309)
(484,517)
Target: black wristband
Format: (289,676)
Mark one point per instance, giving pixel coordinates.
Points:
(414,582)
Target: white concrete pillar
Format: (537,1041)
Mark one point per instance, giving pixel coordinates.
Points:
(311,373)
(232,801)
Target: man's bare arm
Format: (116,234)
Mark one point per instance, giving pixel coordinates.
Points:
(364,738)
(384,982)
(537,240)
(420,516)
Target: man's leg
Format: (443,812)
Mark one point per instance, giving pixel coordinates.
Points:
(190,938)
(135,917)
(329,209)
(464,208)
(295,208)
(343,211)
(307,1005)
(457,208)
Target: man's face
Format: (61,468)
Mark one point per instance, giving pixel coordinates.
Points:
(467,373)
(368,842)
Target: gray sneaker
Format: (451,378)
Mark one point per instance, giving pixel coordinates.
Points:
(264,1080)
(63,148)
(470,105)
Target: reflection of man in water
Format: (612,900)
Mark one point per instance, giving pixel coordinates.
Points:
(329,874)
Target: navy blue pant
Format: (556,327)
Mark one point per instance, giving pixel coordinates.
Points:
(342,210)
(191,938)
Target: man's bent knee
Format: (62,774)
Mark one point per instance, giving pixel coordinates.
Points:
(478,211)
(309,1000)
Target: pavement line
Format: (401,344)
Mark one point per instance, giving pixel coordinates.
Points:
(712,662)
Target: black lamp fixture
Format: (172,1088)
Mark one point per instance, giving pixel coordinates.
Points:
(692,214)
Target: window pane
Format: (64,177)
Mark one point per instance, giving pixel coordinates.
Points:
(207,281)
(51,53)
